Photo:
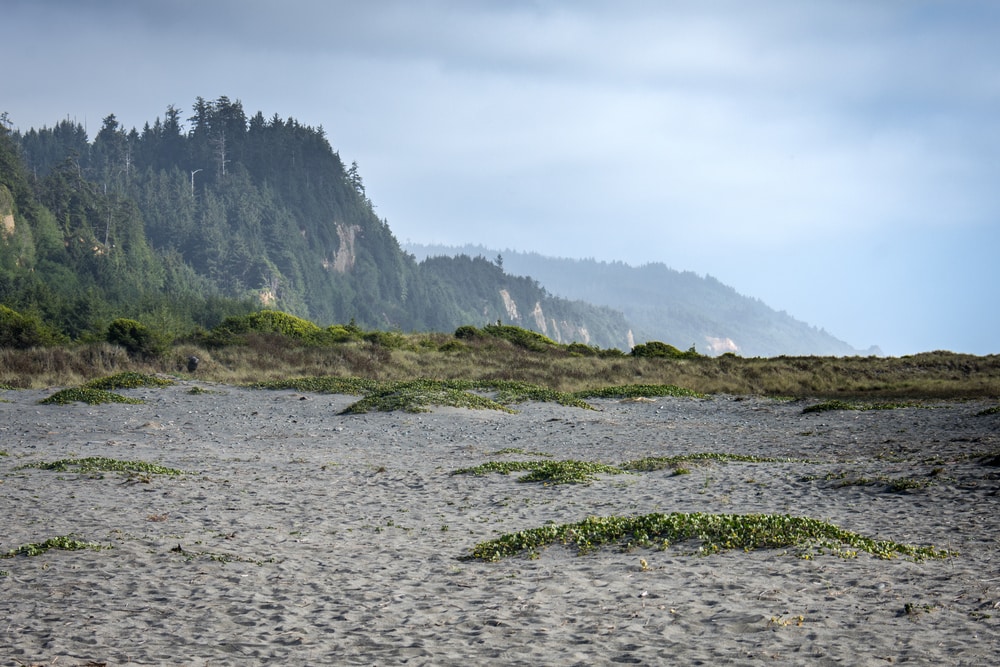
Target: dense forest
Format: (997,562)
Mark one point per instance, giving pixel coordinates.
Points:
(187,221)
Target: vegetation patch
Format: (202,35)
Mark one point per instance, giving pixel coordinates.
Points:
(638,391)
(65,542)
(86,395)
(418,396)
(127,380)
(322,385)
(989,411)
(713,532)
(894,484)
(653,463)
(827,406)
(546,472)
(518,450)
(94,464)
(655,348)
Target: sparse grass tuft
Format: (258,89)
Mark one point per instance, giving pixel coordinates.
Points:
(546,472)
(827,406)
(65,542)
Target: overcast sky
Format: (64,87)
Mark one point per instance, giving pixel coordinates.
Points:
(837,159)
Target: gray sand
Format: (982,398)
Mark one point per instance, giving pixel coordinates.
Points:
(301,536)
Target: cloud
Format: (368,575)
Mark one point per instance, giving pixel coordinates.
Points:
(746,140)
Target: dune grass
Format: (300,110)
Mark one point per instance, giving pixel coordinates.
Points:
(491,359)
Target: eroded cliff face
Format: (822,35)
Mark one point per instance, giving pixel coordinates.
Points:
(560,330)
(343,258)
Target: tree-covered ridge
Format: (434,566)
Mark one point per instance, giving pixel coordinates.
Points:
(191,220)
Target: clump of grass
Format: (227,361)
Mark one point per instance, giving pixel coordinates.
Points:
(127,380)
(546,472)
(894,484)
(86,395)
(517,450)
(715,532)
(653,463)
(509,392)
(638,391)
(418,396)
(835,404)
(94,464)
(988,411)
(352,386)
(64,542)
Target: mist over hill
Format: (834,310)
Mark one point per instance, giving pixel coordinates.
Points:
(660,303)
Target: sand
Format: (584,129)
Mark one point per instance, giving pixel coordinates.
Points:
(301,536)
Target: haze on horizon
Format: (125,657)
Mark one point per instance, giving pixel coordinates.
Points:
(835,159)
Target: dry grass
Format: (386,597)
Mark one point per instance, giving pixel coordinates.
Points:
(441,356)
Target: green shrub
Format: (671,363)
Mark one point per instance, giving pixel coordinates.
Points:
(390,340)
(655,348)
(269,321)
(467,332)
(338,333)
(24,331)
(529,340)
(137,339)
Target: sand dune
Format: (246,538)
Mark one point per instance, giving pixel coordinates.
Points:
(301,536)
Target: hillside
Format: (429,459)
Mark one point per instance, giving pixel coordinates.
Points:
(667,305)
(182,223)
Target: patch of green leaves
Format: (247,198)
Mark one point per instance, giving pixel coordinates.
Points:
(713,532)
(322,385)
(653,463)
(546,472)
(86,395)
(127,380)
(827,406)
(989,411)
(418,396)
(638,391)
(65,542)
(94,464)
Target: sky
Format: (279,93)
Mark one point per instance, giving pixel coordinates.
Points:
(836,159)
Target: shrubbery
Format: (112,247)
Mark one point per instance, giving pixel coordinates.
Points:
(24,331)
(655,348)
(138,339)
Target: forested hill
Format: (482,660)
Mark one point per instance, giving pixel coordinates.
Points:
(667,305)
(186,221)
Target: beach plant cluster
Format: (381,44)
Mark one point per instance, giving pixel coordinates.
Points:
(96,391)
(419,395)
(546,472)
(828,406)
(128,380)
(894,484)
(86,395)
(64,542)
(585,472)
(713,532)
(97,464)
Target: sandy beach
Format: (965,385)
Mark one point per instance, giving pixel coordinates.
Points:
(299,536)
